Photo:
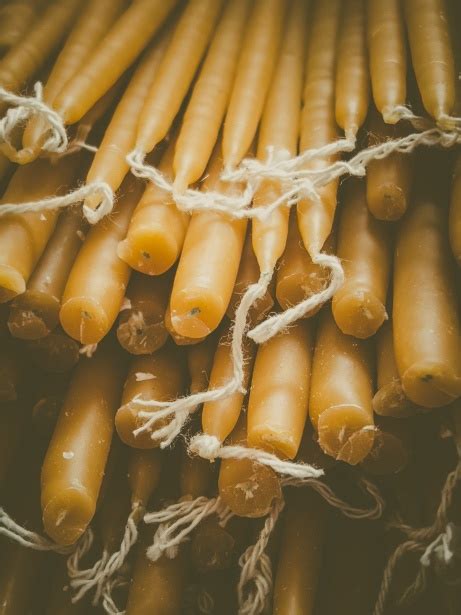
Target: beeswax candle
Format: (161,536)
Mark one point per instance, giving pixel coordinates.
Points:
(57,352)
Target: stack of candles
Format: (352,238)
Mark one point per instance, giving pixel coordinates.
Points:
(225,373)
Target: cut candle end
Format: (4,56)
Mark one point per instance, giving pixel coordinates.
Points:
(431,384)
(345,433)
(197,316)
(11,283)
(148,250)
(127,420)
(84,319)
(358,312)
(33,315)
(66,513)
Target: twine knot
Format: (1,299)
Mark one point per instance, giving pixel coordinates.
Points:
(205,446)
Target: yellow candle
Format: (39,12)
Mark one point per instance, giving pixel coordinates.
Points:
(159,377)
(144,471)
(365,250)
(199,363)
(277,407)
(11,371)
(196,476)
(23,237)
(341,393)
(392,448)
(141,327)
(180,340)
(454,225)
(74,464)
(98,279)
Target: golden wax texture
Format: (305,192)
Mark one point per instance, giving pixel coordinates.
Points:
(341,393)
(98,279)
(144,471)
(199,363)
(454,220)
(277,407)
(365,250)
(76,457)
(159,377)
(196,476)
(425,317)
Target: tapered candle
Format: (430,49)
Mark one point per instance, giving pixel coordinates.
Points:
(57,352)
(24,236)
(109,163)
(277,407)
(389,180)
(195,476)
(425,314)
(157,228)
(365,249)
(157,588)
(98,279)
(298,277)
(159,377)
(248,274)
(254,71)
(17,17)
(352,74)
(392,447)
(389,399)
(94,20)
(204,114)
(76,457)
(208,266)
(199,363)
(245,486)
(35,313)
(454,224)
(220,417)
(180,340)
(279,130)
(388,56)
(141,327)
(341,392)
(432,55)
(318,125)
(144,471)
(29,54)
(301,553)
(114,54)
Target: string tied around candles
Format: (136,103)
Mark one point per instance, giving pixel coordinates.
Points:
(178,520)
(108,602)
(434,539)
(21,109)
(70,199)
(27,538)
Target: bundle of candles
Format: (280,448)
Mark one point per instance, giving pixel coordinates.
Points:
(229,381)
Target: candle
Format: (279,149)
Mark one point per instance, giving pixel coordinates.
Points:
(114,54)
(390,398)
(35,313)
(196,476)
(318,124)
(17,17)
(155,236)
(199,362)
(388,56)
(389,180)
(392,447)
(301,553)
(180,340)
(254,71)
(210,96)
(208,266)
(454,224)
(98,279)
(115,507)
(365,250)
(352,74)
(20,579)
(24,59)
(141,327)
(23,237)
(57,352)
(109,164)
(432,55)
(189,41)
(277,407)
(298,277)
(48,397)
(11,371)
(245,486)
(279,130)
(157,588)
(341,392)
(426,327)
(220,417)
(248,274)
(94,20)
(77,454)
(144,471)
(159,376)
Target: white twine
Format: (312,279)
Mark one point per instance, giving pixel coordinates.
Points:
(177,521)
(107,567)
(255,583)
(442,548)
(88,350)
(67,200)
(26,538)
(22,108)
(108,602)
